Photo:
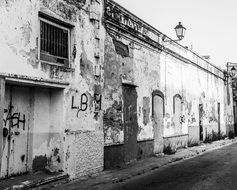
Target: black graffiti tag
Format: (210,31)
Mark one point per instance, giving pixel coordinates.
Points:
(98,98)
(83,104)
(14,117)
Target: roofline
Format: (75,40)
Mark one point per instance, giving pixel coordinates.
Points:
(156,30)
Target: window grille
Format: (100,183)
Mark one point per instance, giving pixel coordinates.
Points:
(53,43)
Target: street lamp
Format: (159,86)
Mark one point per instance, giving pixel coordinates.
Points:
(180,32)
(230,73)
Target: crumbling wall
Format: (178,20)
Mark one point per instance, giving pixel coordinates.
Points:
(196,86)
(47,130)
(128,62)
(78,105)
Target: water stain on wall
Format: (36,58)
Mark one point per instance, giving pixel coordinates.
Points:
(146,110)
(113,121)
(78,3)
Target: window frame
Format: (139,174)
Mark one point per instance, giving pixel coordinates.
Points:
(69,43)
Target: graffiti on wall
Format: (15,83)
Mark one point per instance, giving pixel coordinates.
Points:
(229,119)
(84,101)
(16,118)
(97,102)
(83,105)
(212,116)
(192,118)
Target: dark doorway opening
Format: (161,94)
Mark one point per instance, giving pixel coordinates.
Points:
(201,121)
(130,123)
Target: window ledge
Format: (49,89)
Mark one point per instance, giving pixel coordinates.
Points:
(63,68)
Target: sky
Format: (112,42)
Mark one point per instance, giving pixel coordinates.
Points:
(211,24)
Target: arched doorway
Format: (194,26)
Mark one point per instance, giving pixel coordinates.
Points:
(158,111)
(177,110)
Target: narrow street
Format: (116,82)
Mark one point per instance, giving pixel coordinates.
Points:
(108,94)
(215,170)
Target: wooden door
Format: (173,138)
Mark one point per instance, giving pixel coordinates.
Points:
(130,122)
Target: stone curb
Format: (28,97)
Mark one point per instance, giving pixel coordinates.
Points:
(38,183)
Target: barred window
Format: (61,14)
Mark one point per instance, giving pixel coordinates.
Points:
(54,42)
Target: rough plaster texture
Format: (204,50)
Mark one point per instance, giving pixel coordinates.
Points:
(48,128)
(61,119)
(53,112)
(140,69)
(195,87)
(174,70)
(82,160)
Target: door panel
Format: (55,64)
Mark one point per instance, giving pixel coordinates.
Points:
(130,122)
(201,111)
(4,166)
(177,115)
(16,116)
(158,123)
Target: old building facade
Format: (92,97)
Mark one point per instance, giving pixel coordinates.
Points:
(86,85)
(51,62)
(157,94)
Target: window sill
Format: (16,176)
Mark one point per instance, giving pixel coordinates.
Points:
(63,67)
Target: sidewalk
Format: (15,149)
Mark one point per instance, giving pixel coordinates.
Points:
(143,166)
(31,181)
(61,182)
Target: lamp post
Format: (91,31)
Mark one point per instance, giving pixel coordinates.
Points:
(230,71)
(180,33)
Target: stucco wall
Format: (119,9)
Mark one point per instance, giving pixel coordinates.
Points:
(141,68)
(48,130)
(58,113)
(195,86)
(150,70)
(133,56)
(92,159)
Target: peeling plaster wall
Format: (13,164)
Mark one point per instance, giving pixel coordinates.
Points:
(132,56)
(48,130)
(59,113)
(195,87)
(151,70)
(140,67)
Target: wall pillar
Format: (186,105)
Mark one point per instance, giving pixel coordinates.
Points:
(2,102)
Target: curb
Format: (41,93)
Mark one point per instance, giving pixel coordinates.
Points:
(174,159)
(60,179)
